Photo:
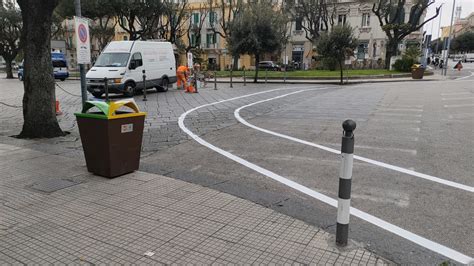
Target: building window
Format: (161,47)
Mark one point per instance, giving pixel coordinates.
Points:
(298,24)
(210,39)
(195,40)
(341,20)
(366,20)
(212,18)
(195,18)
(362,50)
(125,38)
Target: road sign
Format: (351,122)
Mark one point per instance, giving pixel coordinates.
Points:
(83,44)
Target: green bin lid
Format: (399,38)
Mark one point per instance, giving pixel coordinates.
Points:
(109,109)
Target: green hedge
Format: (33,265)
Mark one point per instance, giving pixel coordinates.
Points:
(404,64)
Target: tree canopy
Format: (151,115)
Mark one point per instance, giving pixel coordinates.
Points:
(10,32)
(464,42)
(338,44)
(391,16)
(314,16)
(258,29)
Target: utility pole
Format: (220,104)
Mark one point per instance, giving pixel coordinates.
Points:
(439,28)
(77,6)
(449,40)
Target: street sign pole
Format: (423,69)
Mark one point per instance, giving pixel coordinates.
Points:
(77,5)
(445,67)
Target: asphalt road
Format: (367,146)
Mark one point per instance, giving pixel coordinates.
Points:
(422,126)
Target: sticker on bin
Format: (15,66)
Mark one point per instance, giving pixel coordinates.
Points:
(127,128)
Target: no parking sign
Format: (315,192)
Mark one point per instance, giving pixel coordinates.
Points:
(83,44)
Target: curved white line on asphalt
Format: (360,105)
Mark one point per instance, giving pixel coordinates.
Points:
(367,160)
(472,74)
(433,246)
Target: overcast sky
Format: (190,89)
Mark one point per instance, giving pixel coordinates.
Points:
(467,8)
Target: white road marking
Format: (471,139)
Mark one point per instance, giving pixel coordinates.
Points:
(458,105)
(391,121)
(397,114)
(431,245)
(455,93)
(367,160)
(402,106)
(472,74)
(400,109)
(457,99)
(410,151)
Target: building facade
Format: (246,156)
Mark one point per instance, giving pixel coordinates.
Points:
(370,52)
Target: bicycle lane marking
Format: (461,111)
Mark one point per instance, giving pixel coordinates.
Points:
(360,158)
(426,243)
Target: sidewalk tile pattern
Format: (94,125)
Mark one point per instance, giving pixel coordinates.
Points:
(144,219)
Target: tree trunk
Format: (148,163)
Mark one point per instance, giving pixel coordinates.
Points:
(391,50)
(8,64)
(257,59)
(235,65)
(39,98)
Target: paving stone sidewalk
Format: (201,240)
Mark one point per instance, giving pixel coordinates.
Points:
(54,212)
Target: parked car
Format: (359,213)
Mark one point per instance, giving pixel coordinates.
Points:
(122,63)
(270,65)
(59,62)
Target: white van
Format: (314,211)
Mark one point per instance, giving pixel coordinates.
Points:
(469,57)
(122,63)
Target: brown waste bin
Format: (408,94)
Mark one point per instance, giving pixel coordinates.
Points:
(417,71)
(111,139)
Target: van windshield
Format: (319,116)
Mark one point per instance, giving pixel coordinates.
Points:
(57,63)
(112,60)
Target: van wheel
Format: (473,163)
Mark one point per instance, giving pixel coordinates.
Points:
(164,85)
(129,90)
(63,79)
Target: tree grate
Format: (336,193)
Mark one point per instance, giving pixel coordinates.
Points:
(53,185)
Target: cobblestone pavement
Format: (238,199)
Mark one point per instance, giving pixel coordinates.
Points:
(143,218)
(161,125)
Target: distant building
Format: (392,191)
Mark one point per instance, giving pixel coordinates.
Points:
(372,39)
(460,26)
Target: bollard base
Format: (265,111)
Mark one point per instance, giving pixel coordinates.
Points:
(342,234)
(351,245)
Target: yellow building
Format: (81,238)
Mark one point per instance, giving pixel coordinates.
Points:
(213,46)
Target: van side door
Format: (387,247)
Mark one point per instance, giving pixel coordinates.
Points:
(136,67)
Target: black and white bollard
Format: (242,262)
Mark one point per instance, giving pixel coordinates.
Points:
(231,78)
(106,88)
(345,181)
(144,86)
(266,75)
(215,80)
(245,79)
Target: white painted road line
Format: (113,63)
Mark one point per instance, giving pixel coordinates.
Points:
(458,105)
(400,109)
(457,99)
(410,151)
(455,93)
(367,160)
(397,114)
(426,243)
(472,74)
